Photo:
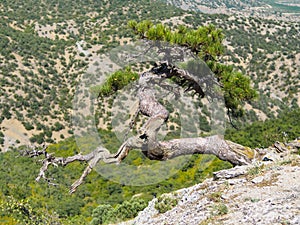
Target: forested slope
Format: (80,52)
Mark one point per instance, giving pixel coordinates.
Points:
(41,65)
(41,62)
(18,182)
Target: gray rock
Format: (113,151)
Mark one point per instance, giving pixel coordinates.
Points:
(257,180)
(230,173)
(242,201)
(236,181)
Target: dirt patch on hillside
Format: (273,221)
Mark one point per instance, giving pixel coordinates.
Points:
(14,132)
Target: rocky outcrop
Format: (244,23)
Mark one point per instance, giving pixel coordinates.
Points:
(266,192)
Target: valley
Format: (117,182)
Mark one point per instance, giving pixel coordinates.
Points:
(48,49)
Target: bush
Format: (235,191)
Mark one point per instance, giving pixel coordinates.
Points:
(220,209)
(28,126)
(57,126)
(130,209)
(104,214)
(165,203)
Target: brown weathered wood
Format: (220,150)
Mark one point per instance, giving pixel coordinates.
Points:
(146,140)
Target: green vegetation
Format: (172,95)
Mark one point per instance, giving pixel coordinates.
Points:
(215,196)
(1,138)
(219,209)
(206,43)
(24,213)
(257,170)
(19,184)
(261,49)
(39,58)
(165,203)
(284,128)
(23,200)
(115,82)
(40,67)
(105,214)
(40,64)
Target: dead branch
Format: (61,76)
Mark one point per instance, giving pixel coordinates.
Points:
(50,160)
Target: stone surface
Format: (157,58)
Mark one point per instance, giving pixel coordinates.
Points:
(272,196)
(257,180)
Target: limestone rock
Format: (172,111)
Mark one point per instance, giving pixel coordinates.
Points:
(236,196)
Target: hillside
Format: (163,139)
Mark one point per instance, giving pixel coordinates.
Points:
(49,49)
(44,57)
(265,193)
(47,202)
(269,9)
(41,64)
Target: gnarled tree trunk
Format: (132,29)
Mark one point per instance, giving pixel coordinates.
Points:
(146,140)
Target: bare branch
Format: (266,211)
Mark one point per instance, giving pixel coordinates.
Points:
(50,160)
(78,182)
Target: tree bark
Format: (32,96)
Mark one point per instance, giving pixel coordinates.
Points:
(158,114)
(146,140)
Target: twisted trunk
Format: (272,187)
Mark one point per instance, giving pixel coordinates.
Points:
(146,140)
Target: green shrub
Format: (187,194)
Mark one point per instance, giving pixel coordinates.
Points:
(284,128)
(114,82)
(101,214)
(130,209)
(28,126)
(165,203)
(104,214)
(220,209)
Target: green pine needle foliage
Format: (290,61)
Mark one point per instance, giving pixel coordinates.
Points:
(115,82)
(206,43)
